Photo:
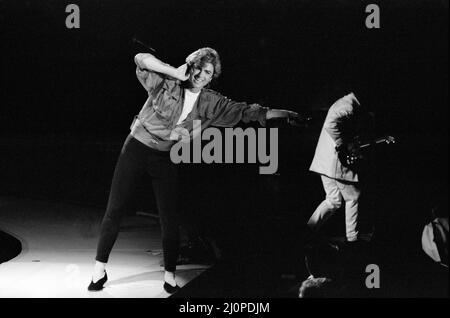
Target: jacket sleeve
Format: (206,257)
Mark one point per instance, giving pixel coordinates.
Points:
(336,121)
(225,112)
(149,80)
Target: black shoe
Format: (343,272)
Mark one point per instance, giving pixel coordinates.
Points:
(99,284)
(171,289)
(356,246)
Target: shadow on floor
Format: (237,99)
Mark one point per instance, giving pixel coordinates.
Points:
(10,247)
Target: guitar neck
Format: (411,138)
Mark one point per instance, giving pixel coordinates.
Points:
(376,141)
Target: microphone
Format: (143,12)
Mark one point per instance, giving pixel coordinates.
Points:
(134,40)
(188,68)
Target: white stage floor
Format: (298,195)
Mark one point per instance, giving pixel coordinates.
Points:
(58,250)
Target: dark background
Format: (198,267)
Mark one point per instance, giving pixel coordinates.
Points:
(68,97)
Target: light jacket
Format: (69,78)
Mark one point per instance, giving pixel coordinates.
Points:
(339,127)
(156,123)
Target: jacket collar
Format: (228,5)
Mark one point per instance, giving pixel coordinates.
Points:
(174,89)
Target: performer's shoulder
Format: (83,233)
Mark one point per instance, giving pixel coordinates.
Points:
(212,94)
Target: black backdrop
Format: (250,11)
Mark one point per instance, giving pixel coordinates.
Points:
(282,53)
(68,95)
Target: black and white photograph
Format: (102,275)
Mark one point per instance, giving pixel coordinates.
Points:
(224,154)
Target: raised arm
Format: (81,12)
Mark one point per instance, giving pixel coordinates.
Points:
(334,124)
(147,63)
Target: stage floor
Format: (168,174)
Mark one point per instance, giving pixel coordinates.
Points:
(59,243)
(58,250)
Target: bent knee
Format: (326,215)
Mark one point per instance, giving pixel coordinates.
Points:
(334,204)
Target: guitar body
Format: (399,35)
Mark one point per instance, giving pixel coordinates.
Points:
(351,156)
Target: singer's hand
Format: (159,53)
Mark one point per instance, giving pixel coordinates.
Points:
(280,113)
(182,72)
(191,57)
(349,154)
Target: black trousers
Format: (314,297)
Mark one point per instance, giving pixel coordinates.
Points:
(136,160)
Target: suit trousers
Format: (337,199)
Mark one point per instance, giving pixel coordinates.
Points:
(338,191)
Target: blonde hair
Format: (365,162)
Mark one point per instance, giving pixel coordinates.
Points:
(205,55)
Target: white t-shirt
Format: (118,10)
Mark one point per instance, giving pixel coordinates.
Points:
(189,101)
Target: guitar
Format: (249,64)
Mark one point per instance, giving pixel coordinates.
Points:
(351,157)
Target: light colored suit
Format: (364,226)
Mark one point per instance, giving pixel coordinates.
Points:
(340,183)
(325,160)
